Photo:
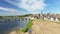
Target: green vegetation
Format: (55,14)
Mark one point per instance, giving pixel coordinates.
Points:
(17,16)
(1,17)
(29,25)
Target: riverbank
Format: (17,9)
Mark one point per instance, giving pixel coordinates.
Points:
(45,27)
(23,30)
(29,25)
(42,27)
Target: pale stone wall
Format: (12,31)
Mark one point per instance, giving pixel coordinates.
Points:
(56,19)
(51,19)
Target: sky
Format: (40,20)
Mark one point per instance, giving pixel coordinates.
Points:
(21,7)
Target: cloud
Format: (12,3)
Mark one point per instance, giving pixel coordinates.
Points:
(9,10)
(15,2)
(29,5)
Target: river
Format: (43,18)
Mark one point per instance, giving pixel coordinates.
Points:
(6,27)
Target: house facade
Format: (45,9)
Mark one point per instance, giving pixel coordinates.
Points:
(50,17)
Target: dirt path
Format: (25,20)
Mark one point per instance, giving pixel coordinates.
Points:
(45,27)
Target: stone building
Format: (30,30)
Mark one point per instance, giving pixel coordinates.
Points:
(50,17)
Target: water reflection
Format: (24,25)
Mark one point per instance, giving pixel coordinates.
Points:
(8,26)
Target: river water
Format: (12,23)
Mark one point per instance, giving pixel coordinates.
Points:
(6,27)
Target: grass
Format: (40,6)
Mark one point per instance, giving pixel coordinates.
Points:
(29,25)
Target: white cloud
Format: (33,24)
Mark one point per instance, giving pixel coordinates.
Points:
(30,5)
(9,10)
(15,2)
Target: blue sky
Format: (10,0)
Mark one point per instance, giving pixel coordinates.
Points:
(53,6)
(19,7)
